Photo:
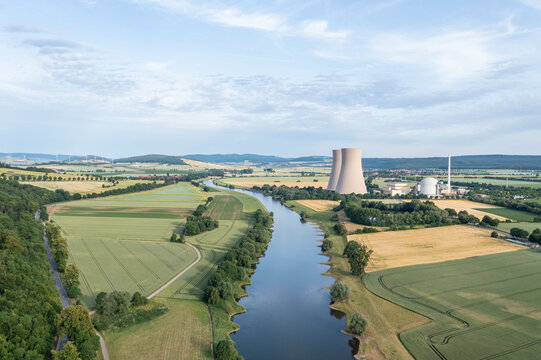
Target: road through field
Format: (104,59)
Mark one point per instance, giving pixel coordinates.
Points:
(179,274)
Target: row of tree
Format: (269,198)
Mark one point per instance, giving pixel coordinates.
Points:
(29,301)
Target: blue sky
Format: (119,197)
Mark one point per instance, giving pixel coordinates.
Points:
(400,78)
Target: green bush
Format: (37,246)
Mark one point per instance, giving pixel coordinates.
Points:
(357,324)
(225,351)
(519,233)
(326,245)
(339,292)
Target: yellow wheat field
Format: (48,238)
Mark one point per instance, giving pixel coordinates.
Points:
(423,246)
(469,206)
(319,205)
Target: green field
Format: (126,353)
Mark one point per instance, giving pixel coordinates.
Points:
(122,242)
(528,226)
(183,333)
(515,183)
(512,214)
(484,307)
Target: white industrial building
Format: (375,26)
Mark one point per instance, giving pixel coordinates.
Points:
(396,188)
(347,172)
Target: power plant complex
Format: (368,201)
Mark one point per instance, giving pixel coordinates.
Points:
(347,172)
(347,177)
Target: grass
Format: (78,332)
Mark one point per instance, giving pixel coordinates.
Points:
(512,214)
(400,248)
(528,226)
(512,183)
(481,307)
(183,333)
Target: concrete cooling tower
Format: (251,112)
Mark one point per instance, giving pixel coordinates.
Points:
(351,178)
(335,172)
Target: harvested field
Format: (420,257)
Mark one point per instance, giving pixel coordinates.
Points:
(71,186)
(319,205)
(183,333)
(473,208)
(291,181)
(423,246)
(512,214)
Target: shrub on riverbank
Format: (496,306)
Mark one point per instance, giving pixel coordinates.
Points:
(357,324)
(339,292)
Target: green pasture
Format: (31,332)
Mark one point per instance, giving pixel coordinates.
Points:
(528,226)
(512,214)
(484,307)
(155,213)
(225,207)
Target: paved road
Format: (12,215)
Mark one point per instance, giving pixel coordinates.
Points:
(64,298)
(179,274)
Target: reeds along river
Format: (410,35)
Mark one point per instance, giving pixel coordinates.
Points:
(287,312)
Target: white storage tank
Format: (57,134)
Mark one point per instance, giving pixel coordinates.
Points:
(429,187)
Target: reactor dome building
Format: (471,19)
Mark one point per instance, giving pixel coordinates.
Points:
(347,172)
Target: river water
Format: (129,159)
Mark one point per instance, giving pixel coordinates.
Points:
(287,314)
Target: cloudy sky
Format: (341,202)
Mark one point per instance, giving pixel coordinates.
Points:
(396,77)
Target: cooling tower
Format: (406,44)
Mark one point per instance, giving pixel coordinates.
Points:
(351,172)
(335,172)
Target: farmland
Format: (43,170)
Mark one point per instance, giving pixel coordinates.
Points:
(512,214)
(121,242)
(85,187)
(528,226)
(482,307)
(474,208)
(183,333)
(510,182)
(400,248)
(300,181)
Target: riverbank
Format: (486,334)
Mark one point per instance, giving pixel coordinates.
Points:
(380,341)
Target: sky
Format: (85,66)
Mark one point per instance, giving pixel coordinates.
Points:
(399,78)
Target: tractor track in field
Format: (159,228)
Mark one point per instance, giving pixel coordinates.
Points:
(141,287)
(139,260)
(98,265)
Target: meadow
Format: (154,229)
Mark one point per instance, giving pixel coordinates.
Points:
(528,226)
(183,333)
(483,307)
(512,214)
(85,186)
(122,242)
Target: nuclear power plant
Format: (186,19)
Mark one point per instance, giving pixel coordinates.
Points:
(347,172)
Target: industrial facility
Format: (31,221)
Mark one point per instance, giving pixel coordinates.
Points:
(347,172)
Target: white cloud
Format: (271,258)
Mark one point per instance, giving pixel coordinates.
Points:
(532,3)
(236,17)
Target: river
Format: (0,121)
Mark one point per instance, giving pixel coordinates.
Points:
(287,312)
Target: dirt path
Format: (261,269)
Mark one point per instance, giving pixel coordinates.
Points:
(179,274)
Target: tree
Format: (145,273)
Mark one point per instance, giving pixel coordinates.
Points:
(451,212)
(116,302)
(340,229)
(487,220)
(137,299)
(535,236)
(350,247)
(359,259)
(494,234)
(339,292)
(225,351)
(326,245)
(70,277)
(74,320)
(69,352)
(357,324)
(519,233)
(173,237)
(212,295)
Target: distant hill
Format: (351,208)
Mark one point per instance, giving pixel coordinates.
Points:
(235,158)
(153,158)
(512,162)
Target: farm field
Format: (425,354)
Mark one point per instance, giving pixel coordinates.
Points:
(234,223)
(300,181)
(512,214)
(84,187)
(430,245)
(474,208)
(183,333)
(517,183)
(528,226)
(482,307)
(122,242)
(319,205)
